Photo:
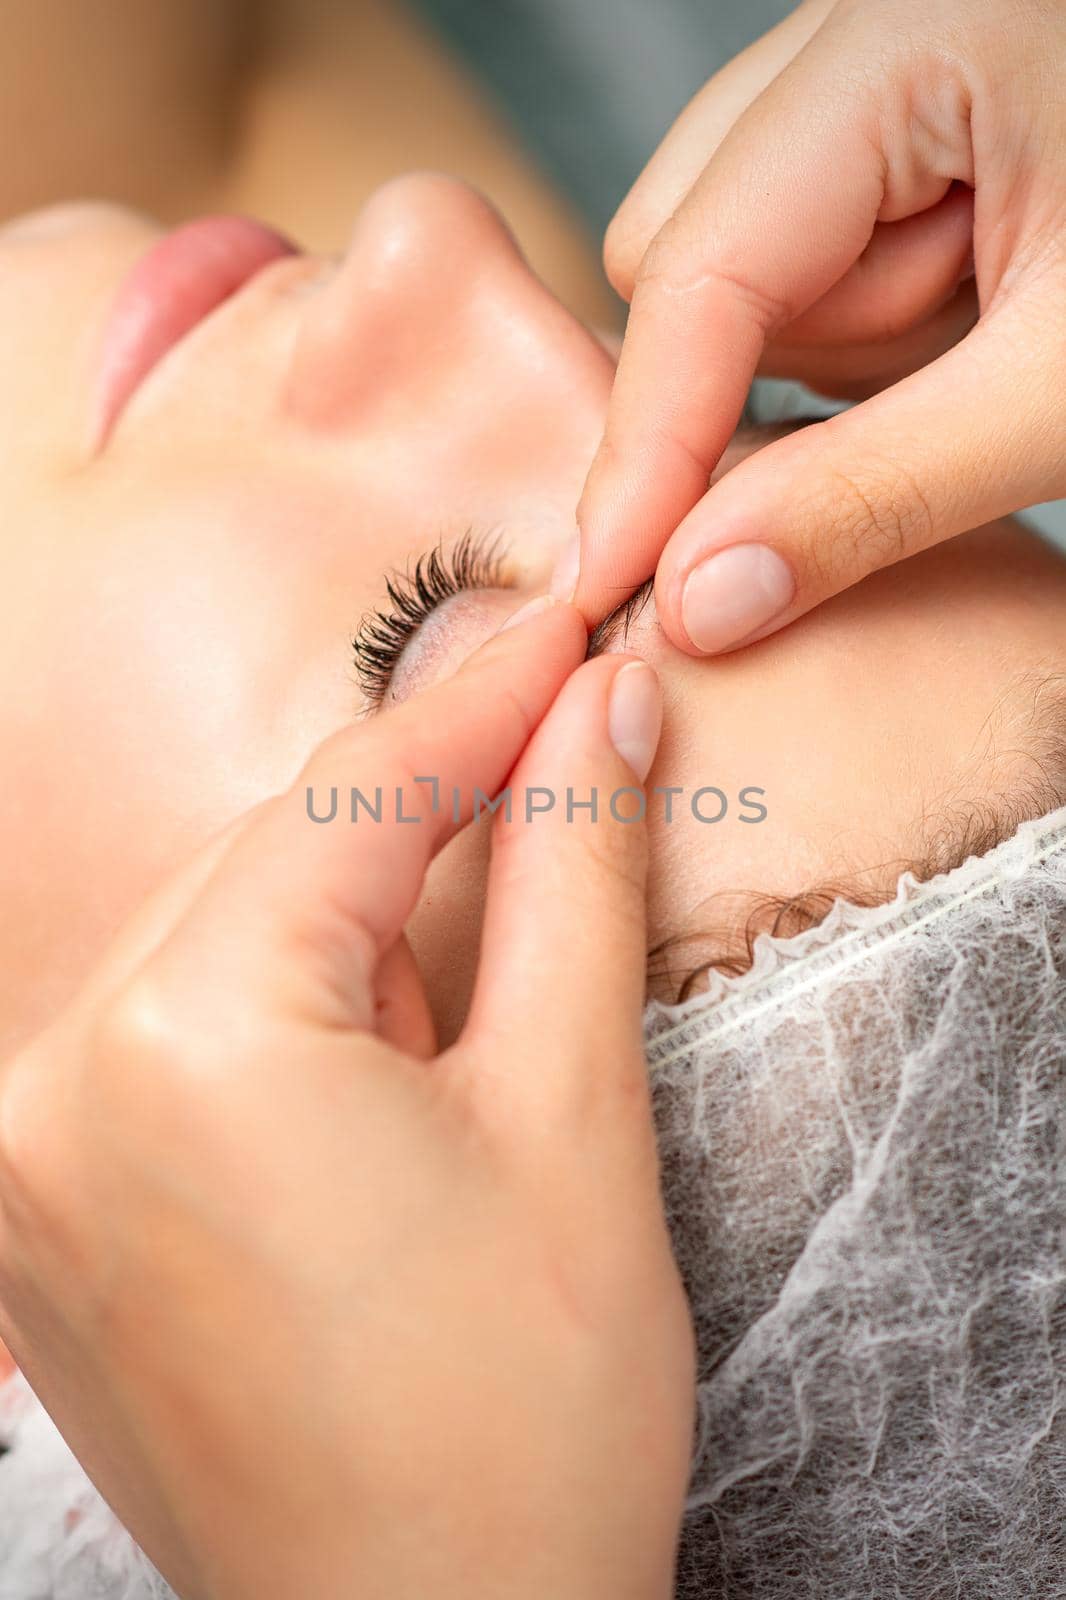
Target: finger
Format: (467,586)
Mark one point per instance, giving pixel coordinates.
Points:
(302,911)
(907,272)
(402,1017)
(562,972)
(853,372)
(720,279)
(694,138)
(969,438)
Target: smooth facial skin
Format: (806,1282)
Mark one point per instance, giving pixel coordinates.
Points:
(179,596)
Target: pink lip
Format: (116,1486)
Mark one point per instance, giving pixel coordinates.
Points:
(180,281)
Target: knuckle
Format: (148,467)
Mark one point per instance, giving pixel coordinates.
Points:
(681,263)
(602,874)
(865,521)
(617,863)
(163,1035)
(164,1070)
(137,1031)
(667,267)
(601,1094)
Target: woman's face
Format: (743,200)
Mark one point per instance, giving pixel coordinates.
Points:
(189,549)
(182,586)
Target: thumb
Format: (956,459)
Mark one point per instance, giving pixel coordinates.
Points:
(973,436)
(561,982)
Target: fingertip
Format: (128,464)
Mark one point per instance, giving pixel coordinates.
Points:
(734,594)
(611,566)
(567,571)
(623,245)
(635,715)
(542,621)
(584,600)
(570,856)
(730,575)
(526,613)
(586,587)
(612,705)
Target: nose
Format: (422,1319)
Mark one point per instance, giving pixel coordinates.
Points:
(434,291)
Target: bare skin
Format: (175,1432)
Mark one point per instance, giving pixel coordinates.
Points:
(177,607)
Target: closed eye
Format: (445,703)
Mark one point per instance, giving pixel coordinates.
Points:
(475,561)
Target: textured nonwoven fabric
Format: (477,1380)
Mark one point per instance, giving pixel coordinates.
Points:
(863,1145)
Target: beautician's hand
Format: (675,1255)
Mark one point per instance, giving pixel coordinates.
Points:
(837,205)
(324,1312)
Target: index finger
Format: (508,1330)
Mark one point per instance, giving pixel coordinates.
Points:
(784,207)
(697,133)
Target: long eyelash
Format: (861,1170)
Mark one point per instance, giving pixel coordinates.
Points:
(475,562)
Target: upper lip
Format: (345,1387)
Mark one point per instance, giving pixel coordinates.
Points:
(180,281)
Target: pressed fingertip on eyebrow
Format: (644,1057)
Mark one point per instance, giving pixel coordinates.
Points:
(635,715)
(564,577)
(532,608)
(734,593)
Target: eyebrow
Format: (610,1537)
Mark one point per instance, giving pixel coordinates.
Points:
(1033,707)
(615,627)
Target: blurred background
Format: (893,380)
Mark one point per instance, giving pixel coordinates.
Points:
(294,110)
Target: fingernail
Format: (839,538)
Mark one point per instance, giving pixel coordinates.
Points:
(735,593)
(564,577)
(635,716)
(532,608)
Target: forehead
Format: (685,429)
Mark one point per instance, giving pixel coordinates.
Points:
(873,726)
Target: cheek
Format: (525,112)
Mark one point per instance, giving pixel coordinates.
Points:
(154,704)
(104,797)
